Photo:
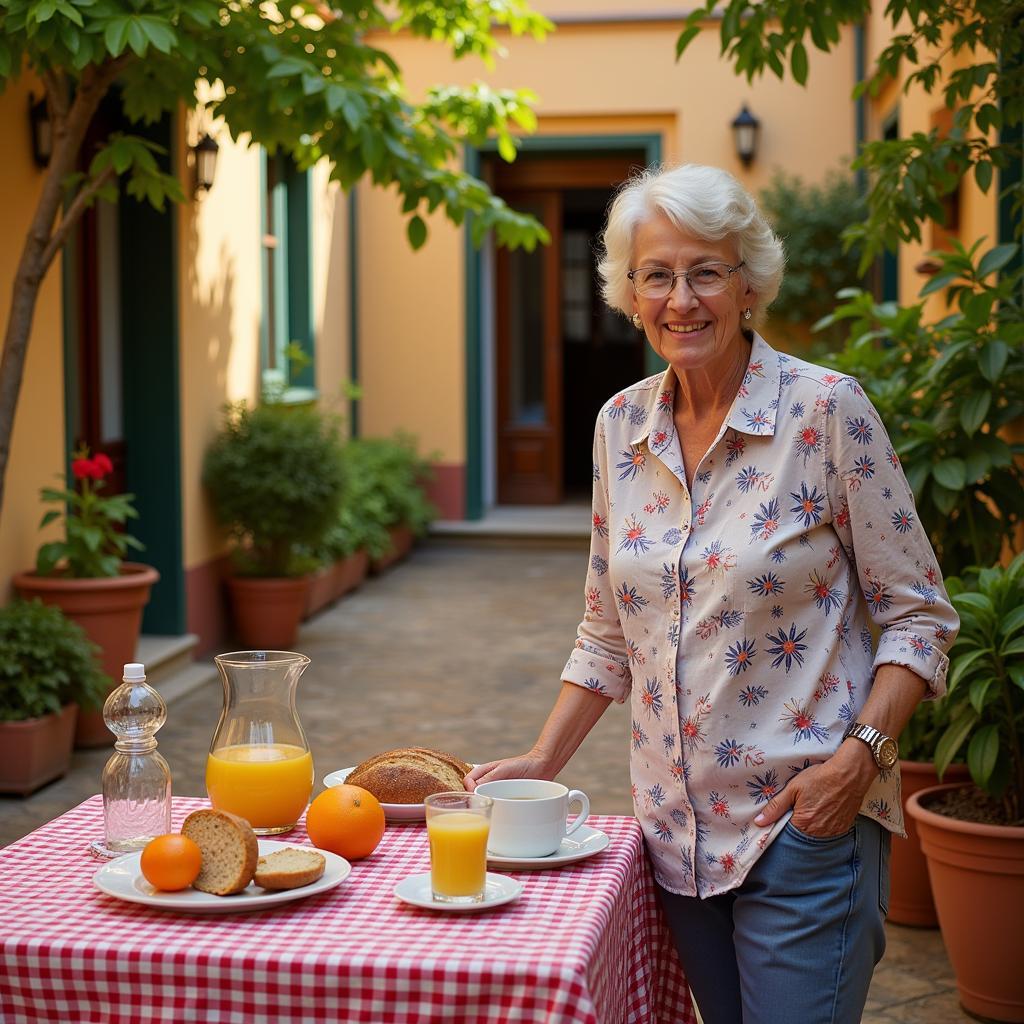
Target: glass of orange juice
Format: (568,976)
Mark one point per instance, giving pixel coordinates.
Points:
(259,766)
(457,828)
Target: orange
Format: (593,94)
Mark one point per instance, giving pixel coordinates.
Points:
(347,820)
(171,862)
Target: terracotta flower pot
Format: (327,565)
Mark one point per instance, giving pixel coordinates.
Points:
(36,750)
(350,572)
(911,900)
(267,611)
(977,875)
(109,609)
(320,591)
(402,540)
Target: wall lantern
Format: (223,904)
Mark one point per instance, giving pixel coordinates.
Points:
(205,151)
(745,128)
(42,130)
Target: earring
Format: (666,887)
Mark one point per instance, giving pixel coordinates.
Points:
(637,322)
(747,313)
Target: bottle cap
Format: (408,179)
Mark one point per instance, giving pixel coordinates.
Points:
(134,671)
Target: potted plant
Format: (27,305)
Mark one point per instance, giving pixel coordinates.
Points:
(275,478)
(392,477)
(85,573)
(48,668)
(973,835)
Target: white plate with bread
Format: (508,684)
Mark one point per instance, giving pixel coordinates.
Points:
(401,778)
(123,879)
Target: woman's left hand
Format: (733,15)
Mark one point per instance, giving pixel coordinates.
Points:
(825,797)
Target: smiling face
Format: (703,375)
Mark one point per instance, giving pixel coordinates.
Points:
(687,331)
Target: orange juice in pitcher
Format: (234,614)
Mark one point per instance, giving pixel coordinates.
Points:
(259,766)
(268,784)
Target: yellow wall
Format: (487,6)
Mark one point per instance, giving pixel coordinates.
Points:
(591,77)
(37,445)
(221,301)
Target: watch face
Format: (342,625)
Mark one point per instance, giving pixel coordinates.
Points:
(888,753)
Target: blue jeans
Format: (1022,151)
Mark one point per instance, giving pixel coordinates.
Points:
(798,940)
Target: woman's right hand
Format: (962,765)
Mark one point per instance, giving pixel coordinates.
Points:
(524,766)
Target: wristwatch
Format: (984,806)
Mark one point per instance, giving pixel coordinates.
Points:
(883,748)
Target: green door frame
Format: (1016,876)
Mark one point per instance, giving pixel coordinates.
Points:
(149,362)
(650,145)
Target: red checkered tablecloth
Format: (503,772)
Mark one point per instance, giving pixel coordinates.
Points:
(583,945)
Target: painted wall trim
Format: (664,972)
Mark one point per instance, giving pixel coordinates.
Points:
(353,307)
(651,145)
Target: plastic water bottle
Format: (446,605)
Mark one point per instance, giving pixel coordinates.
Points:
(136,779)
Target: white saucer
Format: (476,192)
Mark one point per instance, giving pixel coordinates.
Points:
(393,812)
(123,879)
(499,889)
(583,843)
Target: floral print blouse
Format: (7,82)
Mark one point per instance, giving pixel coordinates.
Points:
(735,617)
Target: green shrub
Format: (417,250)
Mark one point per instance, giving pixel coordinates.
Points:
(276,477)
(46,661)
(385,480)
(810,220)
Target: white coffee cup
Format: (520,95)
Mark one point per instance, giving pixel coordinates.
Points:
(529,816)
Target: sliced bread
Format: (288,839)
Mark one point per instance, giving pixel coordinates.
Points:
(289,869)
(409,774)
(229,847)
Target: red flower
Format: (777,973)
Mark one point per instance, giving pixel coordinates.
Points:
(103,465)
(81,468)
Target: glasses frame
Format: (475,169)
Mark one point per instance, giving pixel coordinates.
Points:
(685,275)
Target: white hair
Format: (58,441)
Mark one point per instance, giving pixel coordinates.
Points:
(705,202)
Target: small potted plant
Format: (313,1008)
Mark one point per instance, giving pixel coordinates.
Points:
(275,478)
(973,835)
(48,668)
(85,573)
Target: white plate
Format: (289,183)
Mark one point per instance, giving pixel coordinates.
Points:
(393,812)
(498,889)
(583,843)
(122,878)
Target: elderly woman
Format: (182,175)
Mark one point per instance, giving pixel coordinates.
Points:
(750,515)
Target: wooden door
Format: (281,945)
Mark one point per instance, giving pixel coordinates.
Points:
(529,361)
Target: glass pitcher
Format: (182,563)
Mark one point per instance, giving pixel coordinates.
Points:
(259,766)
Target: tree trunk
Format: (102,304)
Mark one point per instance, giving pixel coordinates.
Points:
(43,242)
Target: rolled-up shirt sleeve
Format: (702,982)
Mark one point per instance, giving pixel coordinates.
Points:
(599,660)
(874,515)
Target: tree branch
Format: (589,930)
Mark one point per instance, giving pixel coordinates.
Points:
(73,213)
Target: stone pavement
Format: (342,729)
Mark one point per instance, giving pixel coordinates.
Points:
(460,648)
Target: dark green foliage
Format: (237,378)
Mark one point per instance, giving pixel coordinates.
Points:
(810,220)
(945,392)
(46,661)
(385,479)
(276,479)
(985,703)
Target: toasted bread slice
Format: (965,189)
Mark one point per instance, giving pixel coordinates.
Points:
(229,847)
(289,869)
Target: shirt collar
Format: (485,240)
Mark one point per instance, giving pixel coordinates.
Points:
(753,410)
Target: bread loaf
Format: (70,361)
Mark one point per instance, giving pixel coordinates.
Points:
(409,774)
(229,847)
(289,869)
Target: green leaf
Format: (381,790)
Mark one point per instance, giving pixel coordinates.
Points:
(951,473)
(992,359)
(1014,647)
(971,599)
(798,62)
(995,259)
(1013,621)
(961,665)
(982,754)
(938,282)
(983,174)
(685,38)
(943,498)
(416,231)
(116,35)
(979,691)
(972,415)
(977,464)
(953,738)
(1016,673)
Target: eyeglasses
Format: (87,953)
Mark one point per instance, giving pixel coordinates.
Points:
(703,280)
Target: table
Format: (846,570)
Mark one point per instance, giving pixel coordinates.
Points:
(583,944)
